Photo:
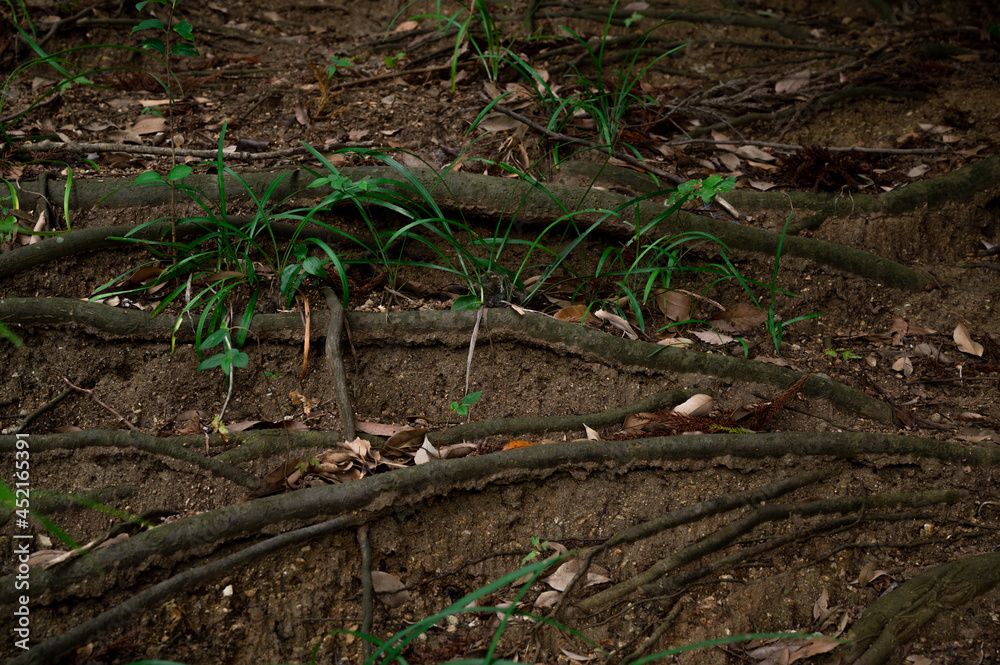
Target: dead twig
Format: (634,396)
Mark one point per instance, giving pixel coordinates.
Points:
(42,409)
(336,360)
(96,399)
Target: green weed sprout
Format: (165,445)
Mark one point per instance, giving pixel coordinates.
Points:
(10,336)
(18,501)
(182,29)
(608,107)
(391,649)
(226,359)
(775,326)
(8,224)
(462,408)
(336,62)
(489,49)
(392,61)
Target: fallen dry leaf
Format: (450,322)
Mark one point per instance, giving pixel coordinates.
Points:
(575,314)
(675,305)
(964,341)
(712,337)
(565,573)
(391,591)
(696,405)
(617,322)
(792,82)
(739,318)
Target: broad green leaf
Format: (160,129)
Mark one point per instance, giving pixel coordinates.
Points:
(214,361)
(186,50)
(314,266)
(147,177)
(466,302)
(149,24)
(154,44)
(180,172)
(184,29)
(239,359)
(288,276)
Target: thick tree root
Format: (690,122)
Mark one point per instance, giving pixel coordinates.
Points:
(172,447)
(126,612)
(473,195)
(454,329)
(254,445)
(650,582)
(411,485)
(899,615)
(689,514)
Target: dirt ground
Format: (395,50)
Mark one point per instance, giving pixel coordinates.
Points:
(260,69)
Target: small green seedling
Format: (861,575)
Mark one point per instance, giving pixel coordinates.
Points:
(636,16)
(303,467)
(226,359)
(219,427)
(706,189)
(846,354)
(462,408)
(537,547)
(184,48)
(337,62)
(392,61)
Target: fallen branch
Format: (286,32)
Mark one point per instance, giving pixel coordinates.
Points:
(94,397)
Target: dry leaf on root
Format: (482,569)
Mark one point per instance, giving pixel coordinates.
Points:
(564,574)
(389,588)
(404,444)
(575,314)
(350,460)
(696,405)
(617,322)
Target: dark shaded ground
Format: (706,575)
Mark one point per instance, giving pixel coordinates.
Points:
(281,606)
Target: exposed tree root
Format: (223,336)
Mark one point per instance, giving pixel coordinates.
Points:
(649,581)
(453,329)
(253,445)
(70,243)
(599,14)
(496,198)
(203,533)
(168,447)
(687,515)
(897,616)
(334,357)
(126,612)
